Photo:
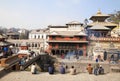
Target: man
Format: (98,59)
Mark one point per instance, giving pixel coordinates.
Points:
(101,70)
(51,69)
(33,69)
(89,68)
(72,70)
(62,70)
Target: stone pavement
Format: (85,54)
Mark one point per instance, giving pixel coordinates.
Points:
(44,76)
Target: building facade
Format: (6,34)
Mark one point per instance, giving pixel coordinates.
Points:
(33,44)
(40,34)
(100,35)
(67,39)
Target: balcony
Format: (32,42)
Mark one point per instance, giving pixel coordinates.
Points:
(111,39)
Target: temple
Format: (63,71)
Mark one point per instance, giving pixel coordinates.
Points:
(101,35)
(69,39)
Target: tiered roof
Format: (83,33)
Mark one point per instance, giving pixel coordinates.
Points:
(99,27)
(99,16)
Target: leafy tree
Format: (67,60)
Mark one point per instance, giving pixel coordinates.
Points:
(115,17)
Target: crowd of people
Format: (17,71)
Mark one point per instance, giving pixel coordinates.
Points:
(96,69)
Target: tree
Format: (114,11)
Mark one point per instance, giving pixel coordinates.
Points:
(115,17)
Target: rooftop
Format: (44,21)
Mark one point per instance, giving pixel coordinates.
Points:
(99,27)
(103,23)
(68,33)
(74,22)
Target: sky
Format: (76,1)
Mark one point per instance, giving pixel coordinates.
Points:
(37,14)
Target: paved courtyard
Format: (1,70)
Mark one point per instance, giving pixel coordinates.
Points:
(44,76)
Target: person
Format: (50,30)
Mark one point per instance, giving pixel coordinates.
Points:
(51,69)
(62,70)
(96,69)
(72,70)
(22,62)
(33,69)
(89,68)
(96,60)
(101,70)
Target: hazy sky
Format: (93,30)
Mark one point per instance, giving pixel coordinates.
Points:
(32,14)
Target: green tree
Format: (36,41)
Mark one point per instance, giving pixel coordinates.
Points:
(115,17)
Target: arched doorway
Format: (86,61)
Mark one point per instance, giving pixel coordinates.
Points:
(62,51)
(112,57)
(66,51)
(53,52)
(105,55)
(80,52)
(57,52)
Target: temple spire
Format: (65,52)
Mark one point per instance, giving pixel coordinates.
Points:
(99,12)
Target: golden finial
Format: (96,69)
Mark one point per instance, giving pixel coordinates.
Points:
(99,12)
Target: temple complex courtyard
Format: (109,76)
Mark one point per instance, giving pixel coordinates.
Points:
(44,76)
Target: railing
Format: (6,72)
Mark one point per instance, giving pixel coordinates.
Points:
(105,38)
(82,39)
(30,62)
(9,62)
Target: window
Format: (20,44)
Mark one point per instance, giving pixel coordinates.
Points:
(35,45)
(32,45)
(16,45)
(71,37)
(35,36)
(80,45)
(53,37)
(38,36)
(42,36)
(53,45)
(80,38)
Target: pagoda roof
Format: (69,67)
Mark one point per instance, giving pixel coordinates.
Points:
(99,14)
(103,23)
(99,27)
